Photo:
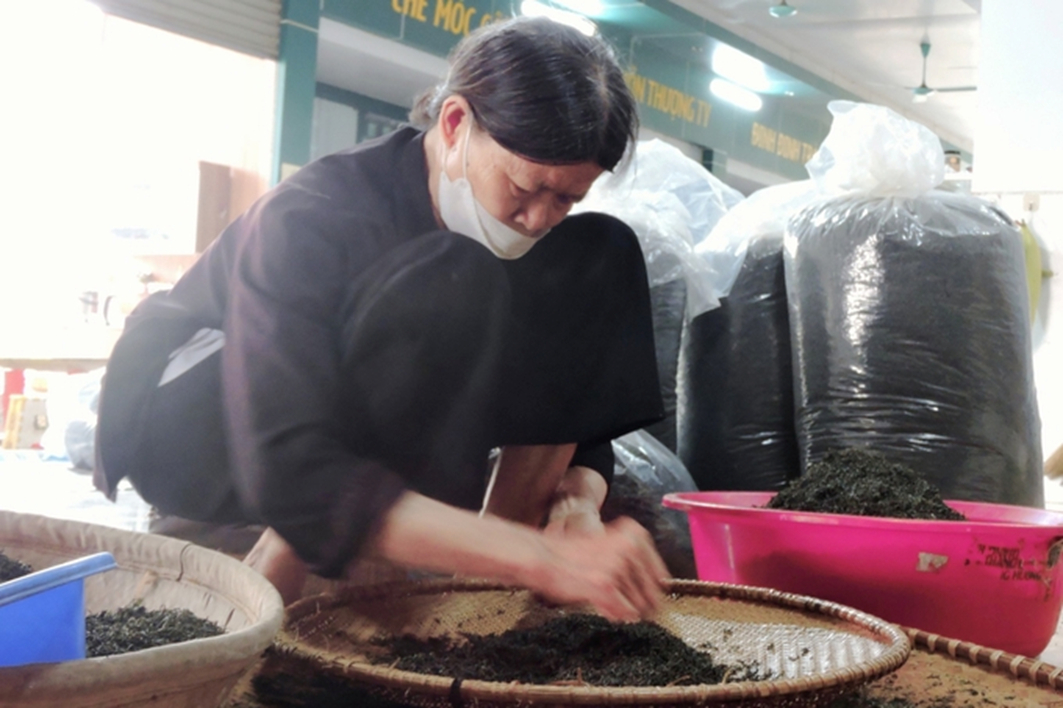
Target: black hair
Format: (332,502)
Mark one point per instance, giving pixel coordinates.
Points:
(542,90)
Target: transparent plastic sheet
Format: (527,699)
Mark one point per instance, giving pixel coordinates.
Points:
(874,150)
(910,332)
(644,472)
(672,203)
(79,434)
(72,401)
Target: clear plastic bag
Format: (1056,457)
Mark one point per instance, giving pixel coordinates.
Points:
(874,150)
(672,203)
(644,472)
(736,415)
(909,316)
(73,401)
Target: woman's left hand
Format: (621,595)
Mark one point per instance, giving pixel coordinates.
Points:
(575,508)
(574,517)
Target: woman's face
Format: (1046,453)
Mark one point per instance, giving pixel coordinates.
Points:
(527,196)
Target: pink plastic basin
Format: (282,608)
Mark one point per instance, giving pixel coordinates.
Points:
(993,580)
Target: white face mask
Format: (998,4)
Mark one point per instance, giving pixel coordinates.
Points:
(462,213)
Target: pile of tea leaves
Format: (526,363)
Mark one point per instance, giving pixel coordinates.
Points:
(865,483)
(580,648)
(133,628)
(10,569)
(286,682)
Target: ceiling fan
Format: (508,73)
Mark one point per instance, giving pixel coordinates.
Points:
(922,92)
(782,10)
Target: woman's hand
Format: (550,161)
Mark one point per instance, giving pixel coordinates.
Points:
(614,567)
(576,502)
(275,560)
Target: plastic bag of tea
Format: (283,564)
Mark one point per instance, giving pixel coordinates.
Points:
(909,316)
(735,402)
(645,470)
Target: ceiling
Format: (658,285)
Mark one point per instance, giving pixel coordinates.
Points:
(356,60)
(871,49)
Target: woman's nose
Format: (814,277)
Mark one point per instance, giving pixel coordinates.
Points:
(540,215)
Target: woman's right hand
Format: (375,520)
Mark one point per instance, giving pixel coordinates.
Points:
(618,572)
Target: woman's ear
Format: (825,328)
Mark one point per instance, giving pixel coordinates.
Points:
(452,114)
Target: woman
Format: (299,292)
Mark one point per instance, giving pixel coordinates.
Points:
(339,363)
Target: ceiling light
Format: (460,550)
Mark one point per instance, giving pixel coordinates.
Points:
(740,68)
(590,8)
(782,10)
(533,8)
(732,93)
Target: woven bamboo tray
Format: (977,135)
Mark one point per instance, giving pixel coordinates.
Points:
(948,673)
(940,673)
(159,573)
(812,650)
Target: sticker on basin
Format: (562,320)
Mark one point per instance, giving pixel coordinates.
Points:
(931,562)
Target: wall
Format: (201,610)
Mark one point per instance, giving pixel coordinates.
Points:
(108,122)
(1019,161)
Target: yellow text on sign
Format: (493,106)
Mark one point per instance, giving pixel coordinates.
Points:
(454,16)
(664,98)
(783,145)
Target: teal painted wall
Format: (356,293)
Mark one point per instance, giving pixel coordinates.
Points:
(296,81)
(368,126)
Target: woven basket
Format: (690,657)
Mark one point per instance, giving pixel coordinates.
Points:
(161,573)
(813,650)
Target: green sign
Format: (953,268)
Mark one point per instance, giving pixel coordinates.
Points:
(432,25)
(674,99)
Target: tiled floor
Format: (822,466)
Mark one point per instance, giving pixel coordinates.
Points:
(29,484)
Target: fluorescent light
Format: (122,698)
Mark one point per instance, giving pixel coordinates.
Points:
(533,8)
(732,93)
(589,8)
(740,68)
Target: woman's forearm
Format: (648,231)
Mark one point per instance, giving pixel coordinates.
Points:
(617,571)
(422,533)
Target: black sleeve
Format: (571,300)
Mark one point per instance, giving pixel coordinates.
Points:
(598,456)
(280,378)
